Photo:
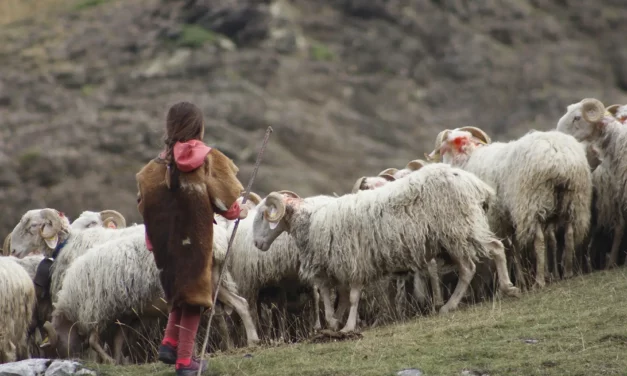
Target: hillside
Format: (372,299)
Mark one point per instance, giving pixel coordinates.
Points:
(350,86)
(573,328)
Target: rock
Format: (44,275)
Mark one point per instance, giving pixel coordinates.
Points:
(67,368)
(44,367)
(410,372)
(28,367)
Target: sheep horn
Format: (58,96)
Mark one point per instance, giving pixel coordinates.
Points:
(387,177)
(416,164)
(111,215)
(477,133)
(592,110)
(288,193)
(274,201)
(254,198)
(6,246)
(434,156)
(388,171)
(51,332)
(358,184)
(612,109)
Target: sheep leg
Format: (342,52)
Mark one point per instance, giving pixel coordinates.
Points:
(400,298)
(540,250)
(118,342)
(316,303)
(497,250)
(351,323)
(466,269)
(344,304)
(436,288)
(240,305)
(94,342)
(552,250)
(223,330)
(618,238)
(325,292)
(569,251)
(420,289)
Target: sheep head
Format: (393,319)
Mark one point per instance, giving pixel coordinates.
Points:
(584,120)
(39,229)
(435,156)
(272,217)
(618,111)
(63,338)
(112,219)
(365,183)
(412,166)
(459,144)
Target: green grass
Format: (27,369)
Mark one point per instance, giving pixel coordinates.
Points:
(195,36)
(320,52)
(85,4)
(580,327)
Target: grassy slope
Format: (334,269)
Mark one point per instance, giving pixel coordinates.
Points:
(580,328)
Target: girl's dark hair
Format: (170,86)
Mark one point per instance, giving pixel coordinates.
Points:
(183,123)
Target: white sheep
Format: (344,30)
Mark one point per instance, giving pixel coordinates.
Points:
(543,183)
(419,286)
(358,238)
(253,270)
(591,123)
(50,231)
(119,280)
(16,306)
(106,218)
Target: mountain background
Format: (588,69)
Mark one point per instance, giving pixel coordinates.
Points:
(350,87)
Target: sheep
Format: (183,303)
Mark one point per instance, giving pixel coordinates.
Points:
(253,270)
(420,293)
(16,306)
(358,238)
(105,218)
(117,279)
(50,231)
(591,123)
(543,183)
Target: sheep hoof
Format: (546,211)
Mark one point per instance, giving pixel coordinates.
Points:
(253,342)
(568,274)
(512,291)
(334,324)
(538,285)
(317,327)
(444,310)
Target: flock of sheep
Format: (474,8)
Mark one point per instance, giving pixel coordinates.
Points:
(429,236)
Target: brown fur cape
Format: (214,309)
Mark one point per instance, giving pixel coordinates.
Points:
(179,224)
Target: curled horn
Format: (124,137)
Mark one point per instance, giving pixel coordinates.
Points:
(388,171)
(6,246)
(56,223)
(592,110)
(274,201)
(612,109)
(116,217)
(288,193)
(387,177)
(416,164)
(435,154)
(254,198)
(358,184)
(477,133)
(51,332)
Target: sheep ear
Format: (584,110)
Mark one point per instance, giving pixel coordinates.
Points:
(52,241)
(273,225)
(51,228)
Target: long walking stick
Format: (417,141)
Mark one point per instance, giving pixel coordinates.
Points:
(228,249)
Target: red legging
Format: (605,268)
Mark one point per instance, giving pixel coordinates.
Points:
(181,332)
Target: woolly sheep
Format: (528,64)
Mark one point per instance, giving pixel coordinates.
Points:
(49,230)
(542,181)
(105,218)
(357,238)
(119,279)
(591,123)
(17,304)
(384,177)
(253,270)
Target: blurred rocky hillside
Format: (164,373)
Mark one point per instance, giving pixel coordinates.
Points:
(350,86)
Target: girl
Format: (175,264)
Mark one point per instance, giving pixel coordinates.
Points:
(179,192)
